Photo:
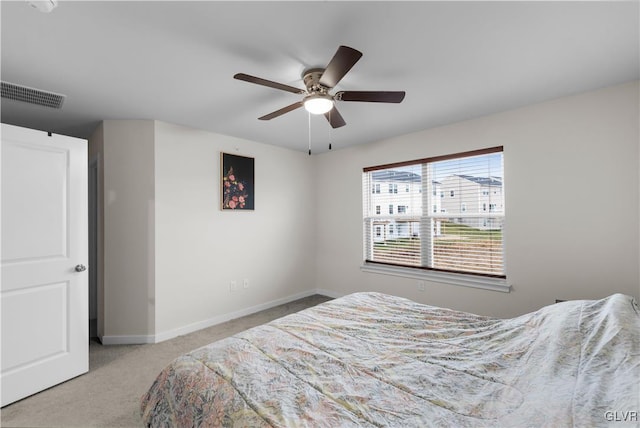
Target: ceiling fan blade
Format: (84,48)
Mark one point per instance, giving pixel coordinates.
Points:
(282,111)
(269,83)
(371,96)
(344,58)
(335,118)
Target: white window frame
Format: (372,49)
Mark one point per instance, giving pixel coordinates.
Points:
(492,283)
(473,281)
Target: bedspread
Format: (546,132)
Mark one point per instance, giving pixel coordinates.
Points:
(370,359)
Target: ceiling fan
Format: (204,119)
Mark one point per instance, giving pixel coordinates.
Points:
(319,82)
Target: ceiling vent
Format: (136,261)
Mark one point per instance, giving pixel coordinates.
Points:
(32,96)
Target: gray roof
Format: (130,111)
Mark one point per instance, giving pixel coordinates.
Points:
(387,175)
(483,181)
(392,175)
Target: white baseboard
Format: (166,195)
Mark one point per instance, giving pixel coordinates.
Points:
(329,293)
(170,334)
(127,340)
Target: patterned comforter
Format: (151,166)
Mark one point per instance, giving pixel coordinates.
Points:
(371,359)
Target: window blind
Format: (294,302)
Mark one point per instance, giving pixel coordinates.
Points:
(444,213)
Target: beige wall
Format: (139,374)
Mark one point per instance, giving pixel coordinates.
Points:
(200,249)
(562,159)
(170,252)
(129,240)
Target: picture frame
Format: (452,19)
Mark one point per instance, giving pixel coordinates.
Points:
(237,181)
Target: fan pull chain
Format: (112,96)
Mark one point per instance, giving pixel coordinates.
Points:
(309,116)
(330,130)
(330,137)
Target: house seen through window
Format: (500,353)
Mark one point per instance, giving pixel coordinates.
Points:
(461,233)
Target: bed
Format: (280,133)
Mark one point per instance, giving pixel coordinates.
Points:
(371,359)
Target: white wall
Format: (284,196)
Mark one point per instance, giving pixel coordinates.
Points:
(562,160)
(200,248)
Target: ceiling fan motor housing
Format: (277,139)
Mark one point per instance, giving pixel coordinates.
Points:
(311,80)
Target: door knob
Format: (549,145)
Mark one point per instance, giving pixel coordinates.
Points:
(80,268)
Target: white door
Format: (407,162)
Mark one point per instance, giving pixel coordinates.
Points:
(44,296)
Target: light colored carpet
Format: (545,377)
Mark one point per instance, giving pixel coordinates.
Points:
(109,395)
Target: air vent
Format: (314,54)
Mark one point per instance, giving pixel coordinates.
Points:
(32,96)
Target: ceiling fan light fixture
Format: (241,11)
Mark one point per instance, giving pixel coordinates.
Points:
(318,103)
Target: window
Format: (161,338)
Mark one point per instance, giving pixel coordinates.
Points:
(456,235)
(378,209)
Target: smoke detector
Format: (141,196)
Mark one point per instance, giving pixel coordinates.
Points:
(45,6)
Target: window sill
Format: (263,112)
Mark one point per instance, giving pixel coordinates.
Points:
(485,283)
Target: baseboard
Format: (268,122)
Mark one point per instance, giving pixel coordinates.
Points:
(181,331)
(127,340)
(329,293)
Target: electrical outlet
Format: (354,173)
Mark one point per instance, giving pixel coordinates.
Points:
(421,286)
(245,283)
(233,286)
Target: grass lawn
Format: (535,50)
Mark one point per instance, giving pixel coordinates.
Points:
(458,247)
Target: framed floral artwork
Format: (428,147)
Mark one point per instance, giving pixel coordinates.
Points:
(237,182)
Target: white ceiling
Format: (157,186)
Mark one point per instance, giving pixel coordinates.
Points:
(175,61)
